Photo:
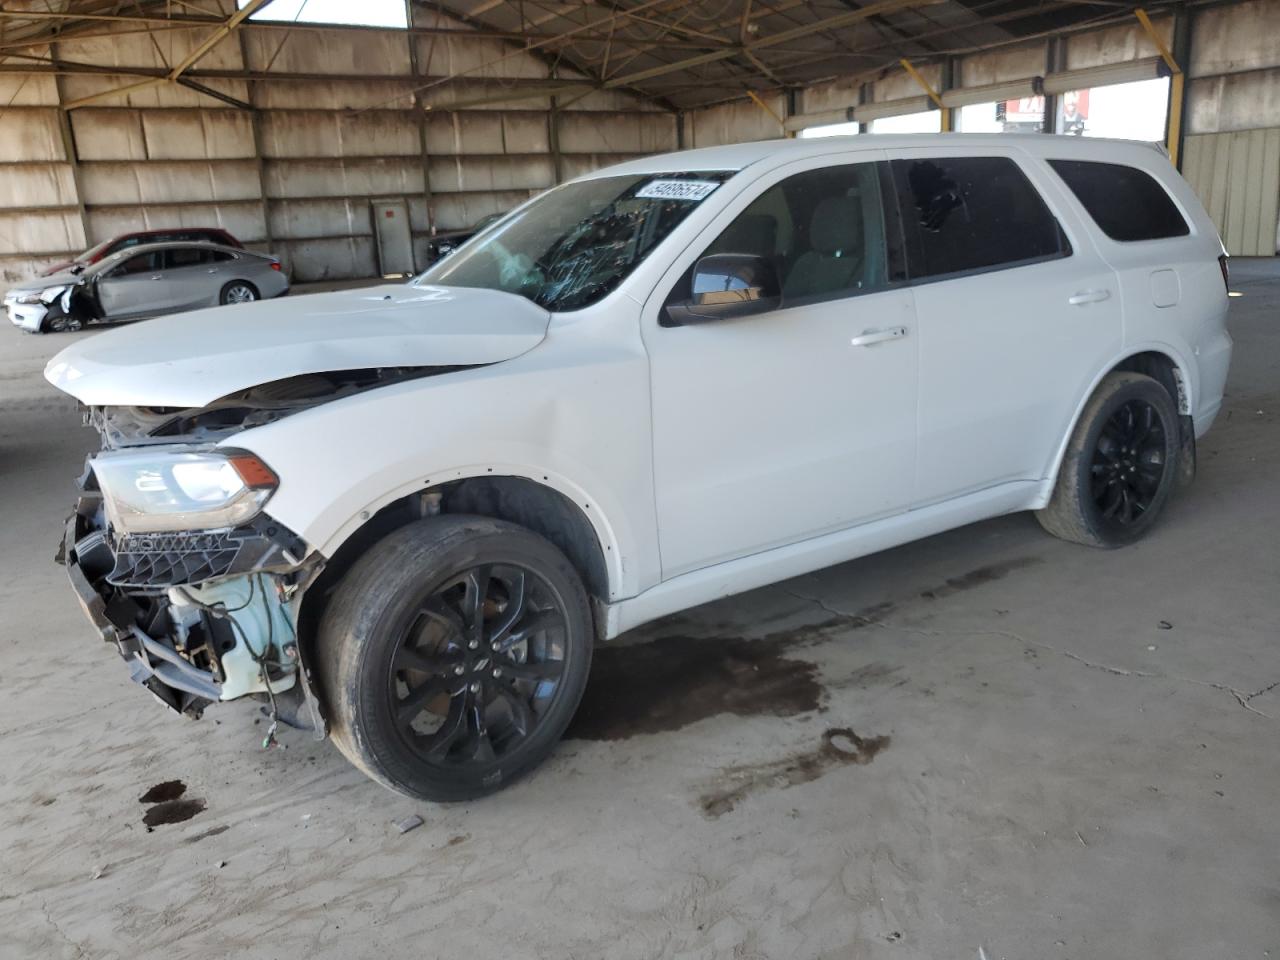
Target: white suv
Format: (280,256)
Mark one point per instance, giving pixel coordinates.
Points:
(662,383)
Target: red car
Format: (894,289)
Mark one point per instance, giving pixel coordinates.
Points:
(108,247)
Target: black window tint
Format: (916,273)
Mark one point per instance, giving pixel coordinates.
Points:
(973,213)
(220,256)
(142,263)
(188,256)
(823,229)
(1125,202)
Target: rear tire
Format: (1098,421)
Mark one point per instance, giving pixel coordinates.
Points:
(1120,466)
(453,655)
(239,291)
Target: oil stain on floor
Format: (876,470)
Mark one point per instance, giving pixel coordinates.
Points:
(168,790)
(839,747)
(674,681)
(166,805)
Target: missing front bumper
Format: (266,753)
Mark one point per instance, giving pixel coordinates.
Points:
(192,644)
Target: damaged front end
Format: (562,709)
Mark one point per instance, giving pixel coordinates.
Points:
(176,563)
(198,616)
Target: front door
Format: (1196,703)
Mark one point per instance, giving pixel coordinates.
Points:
(1017,314)
(134,288)
(777,427)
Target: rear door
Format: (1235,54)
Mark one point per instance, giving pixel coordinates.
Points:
(1016,311)
(191,277)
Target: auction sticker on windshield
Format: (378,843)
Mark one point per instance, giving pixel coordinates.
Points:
(676,190)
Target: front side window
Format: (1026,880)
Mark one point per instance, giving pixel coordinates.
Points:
(1126,203)
(575,244)
(964,214)
(142,263)
(823,231)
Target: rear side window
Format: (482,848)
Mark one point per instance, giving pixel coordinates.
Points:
(188,256)
(1126,203)
(968,214)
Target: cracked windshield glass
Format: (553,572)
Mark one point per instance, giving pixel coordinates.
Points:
(575,244)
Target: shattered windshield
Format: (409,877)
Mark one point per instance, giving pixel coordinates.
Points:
(576,243)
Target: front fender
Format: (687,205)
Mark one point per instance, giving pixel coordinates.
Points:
(581,430)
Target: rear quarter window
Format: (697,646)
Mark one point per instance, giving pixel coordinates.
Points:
(1126,203)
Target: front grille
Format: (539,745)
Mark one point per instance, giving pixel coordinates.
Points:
(172,559)
(164,560)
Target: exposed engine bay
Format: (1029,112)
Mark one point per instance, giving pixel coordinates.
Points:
(204,615)
(136,426)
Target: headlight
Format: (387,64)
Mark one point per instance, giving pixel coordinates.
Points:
(150,492)
(24,296)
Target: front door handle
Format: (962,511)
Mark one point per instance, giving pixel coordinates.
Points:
(1089,296)
(156,277)
(871,337)
(213,270)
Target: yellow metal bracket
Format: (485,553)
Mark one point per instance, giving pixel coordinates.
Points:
(936,97)
(1177,84)
(769,110)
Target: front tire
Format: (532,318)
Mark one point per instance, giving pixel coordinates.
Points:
(63,324)
(453,655)
(239,291)
(1120,466)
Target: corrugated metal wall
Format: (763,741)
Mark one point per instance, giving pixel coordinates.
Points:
(1231,154)
(297,174)
(1237,176)
(336,126)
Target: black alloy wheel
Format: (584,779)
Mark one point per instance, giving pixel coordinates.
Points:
(479,666)
(1128,462)
(1120,465)
(452,656)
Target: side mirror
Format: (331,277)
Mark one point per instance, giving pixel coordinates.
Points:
(728,285)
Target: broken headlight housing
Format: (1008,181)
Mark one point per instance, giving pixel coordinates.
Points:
(155,491)
(45,296)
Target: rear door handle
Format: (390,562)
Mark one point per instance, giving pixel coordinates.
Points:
(213,270)
(156,277)
(1089,296)
(871,337)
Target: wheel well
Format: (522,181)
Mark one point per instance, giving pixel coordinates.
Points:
(519,500)
(247,283)
(1163,370)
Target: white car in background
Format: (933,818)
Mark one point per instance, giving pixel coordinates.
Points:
(146,280)
(405,513)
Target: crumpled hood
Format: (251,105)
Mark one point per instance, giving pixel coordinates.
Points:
(192,359)
(35,285)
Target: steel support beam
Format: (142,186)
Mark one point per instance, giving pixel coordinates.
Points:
(933,94)
(216,37)
(1177,86)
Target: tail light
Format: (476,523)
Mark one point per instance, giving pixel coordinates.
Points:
(275,265)
(1226,271)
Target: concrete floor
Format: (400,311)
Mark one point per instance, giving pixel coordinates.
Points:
(1047,752)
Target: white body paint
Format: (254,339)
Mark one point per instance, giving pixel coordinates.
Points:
(716,457)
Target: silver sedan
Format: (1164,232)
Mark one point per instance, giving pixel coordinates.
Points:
(146,281)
